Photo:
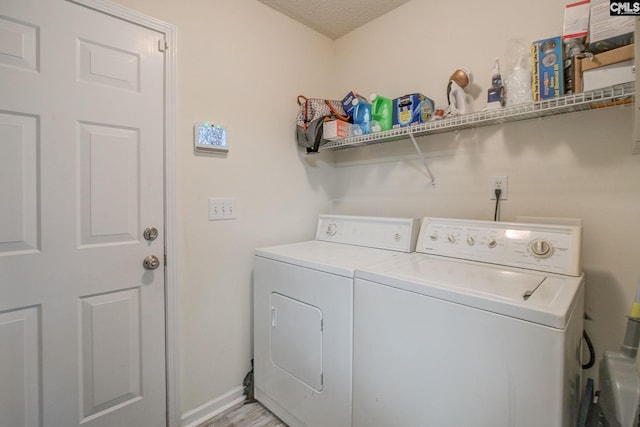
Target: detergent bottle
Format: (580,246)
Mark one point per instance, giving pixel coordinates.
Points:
(361,117)
(381,113)
(495,94)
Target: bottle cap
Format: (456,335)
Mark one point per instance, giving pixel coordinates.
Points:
(496,68)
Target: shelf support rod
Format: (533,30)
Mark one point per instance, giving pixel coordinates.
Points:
(424,160)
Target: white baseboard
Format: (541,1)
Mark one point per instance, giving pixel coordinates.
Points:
(213,407)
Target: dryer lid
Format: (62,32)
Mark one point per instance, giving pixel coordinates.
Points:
(334,258)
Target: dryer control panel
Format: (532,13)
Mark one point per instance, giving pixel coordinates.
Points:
(540,247)
(398,234)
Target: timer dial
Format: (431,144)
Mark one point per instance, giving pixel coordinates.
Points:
(540,248)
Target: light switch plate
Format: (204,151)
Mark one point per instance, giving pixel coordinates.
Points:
(222,209)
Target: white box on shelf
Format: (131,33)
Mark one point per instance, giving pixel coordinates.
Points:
(336,129)
(609,75)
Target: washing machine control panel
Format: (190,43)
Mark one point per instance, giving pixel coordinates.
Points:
(541,247)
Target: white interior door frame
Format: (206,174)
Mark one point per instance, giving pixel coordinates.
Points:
(171,272)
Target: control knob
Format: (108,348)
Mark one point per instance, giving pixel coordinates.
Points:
(332,230)
(540,248)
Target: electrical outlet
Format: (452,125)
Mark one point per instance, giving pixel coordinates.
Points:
(498,182)
(222,209)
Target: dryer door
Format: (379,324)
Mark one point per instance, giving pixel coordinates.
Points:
(296,339)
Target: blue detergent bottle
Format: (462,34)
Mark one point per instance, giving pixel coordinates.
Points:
(495,94)
(381,113)
(361,117)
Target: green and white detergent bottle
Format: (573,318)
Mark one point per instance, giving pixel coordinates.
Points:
(381,113)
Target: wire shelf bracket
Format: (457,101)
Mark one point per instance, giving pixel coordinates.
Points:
(423,158)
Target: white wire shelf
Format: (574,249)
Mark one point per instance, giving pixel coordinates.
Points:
(594,99)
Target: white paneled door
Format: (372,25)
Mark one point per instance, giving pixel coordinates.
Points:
(82,323)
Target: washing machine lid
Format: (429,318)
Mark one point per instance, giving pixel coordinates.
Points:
(335,258)
(536,297)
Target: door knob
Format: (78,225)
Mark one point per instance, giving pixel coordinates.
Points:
(151,262)
(150,233)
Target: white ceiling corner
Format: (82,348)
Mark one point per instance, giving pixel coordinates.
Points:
(334,18)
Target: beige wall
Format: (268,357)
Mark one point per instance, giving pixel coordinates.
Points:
(242,64)
(578,165)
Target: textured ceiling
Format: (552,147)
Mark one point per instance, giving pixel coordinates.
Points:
(334,18)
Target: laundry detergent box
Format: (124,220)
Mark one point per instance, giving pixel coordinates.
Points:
(347,102)
(336,129)
(546,69)
(412,108)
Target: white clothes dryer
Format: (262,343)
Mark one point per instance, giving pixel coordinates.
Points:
(482,326)
(303,315)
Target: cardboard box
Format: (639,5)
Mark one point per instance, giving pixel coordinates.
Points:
(412,108)
(608,32)
(347,102)
(607,68)
(547,69)
(614,56)
(336,129)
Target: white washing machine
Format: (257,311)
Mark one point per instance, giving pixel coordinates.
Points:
(303,315)
(481,327)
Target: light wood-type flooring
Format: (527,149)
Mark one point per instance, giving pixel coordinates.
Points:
(245,415)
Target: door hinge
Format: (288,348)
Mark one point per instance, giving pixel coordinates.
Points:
(165,259)
(163,45)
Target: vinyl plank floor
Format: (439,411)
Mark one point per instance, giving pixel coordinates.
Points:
(245,415)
